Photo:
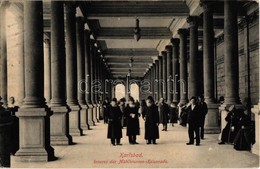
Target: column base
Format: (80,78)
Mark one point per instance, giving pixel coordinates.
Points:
(211,121)
(84,117)
(95,113)
(90,115)
(74,121)
(60,126)
(98,112)
(256,113)
(34,137)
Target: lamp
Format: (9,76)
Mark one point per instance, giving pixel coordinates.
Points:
(131,62)
(129,73)
(137,30)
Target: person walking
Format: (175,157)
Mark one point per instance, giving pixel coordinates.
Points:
(105,106)
(150,115)
(173,114)
(193,121)
(132,117)
(203,112)
(164,113)
(114,123)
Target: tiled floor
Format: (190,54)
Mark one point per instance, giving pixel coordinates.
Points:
(94,150)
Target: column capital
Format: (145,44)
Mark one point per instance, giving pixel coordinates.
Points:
(168,48)
(70,8)
(206,5)
(164,53)
(175,41)
(193,21)
(182,32)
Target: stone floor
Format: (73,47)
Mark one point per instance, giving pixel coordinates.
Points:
(94,150)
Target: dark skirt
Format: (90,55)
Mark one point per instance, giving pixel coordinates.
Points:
(151,131)
(114,129)
(133,127)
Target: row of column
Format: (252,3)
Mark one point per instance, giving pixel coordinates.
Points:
(173,65)
(59,98)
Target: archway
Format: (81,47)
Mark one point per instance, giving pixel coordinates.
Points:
(119,91)
(134,91)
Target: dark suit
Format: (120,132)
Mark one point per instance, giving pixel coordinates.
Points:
(194,123)
(203,112)
(151,116)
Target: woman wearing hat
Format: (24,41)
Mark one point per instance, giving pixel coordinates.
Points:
(114,123)
(132,117)
(173,114)
(151,116)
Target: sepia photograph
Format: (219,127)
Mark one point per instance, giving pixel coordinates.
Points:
(129,84)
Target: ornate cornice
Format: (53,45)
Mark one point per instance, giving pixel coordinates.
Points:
(249,19)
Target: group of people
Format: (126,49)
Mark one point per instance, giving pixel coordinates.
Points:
(127,113)
(239,129)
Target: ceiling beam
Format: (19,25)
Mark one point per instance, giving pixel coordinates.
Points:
(126,65)
(130,52)
(127,33)
(96,9)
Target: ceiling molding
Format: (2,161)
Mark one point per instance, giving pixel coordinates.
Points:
(127,33)
(130,52)
(96,9)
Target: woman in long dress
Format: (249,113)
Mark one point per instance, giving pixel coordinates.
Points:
(132,117)
(151,116)
(114,123)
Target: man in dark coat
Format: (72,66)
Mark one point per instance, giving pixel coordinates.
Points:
(203,112)
(132,117)
(105,106)
(164,113)
(193,121)
(114,123)
(151,116)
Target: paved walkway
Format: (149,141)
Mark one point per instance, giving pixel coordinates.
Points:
(94,150)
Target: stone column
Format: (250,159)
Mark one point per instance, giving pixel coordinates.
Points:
(183,66)
(20,75)
(211,121)
(193,61)
(81,73)
(160,81)
(231,53)
(98,68)
(3,57)
(164,76)
(88,77)
(153,81)
(91,60)
(94,82)
(169,75)
(60,118)
(34,115)
(156,79)
(175,69)
(71,69)
(230,58)
(47,70)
